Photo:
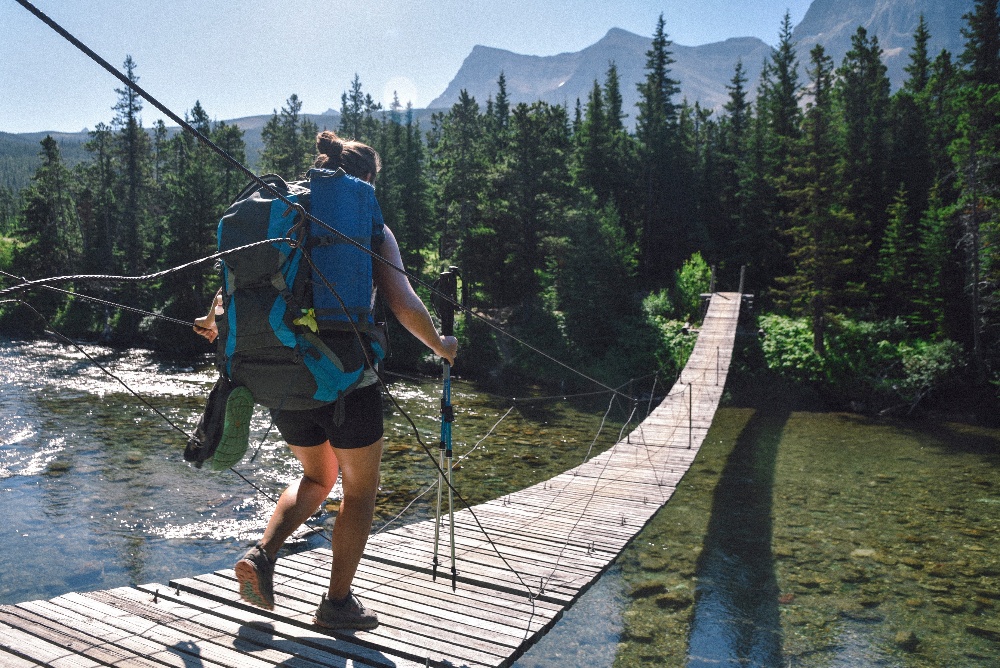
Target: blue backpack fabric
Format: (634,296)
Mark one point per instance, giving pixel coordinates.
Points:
(274,338)
(348,205)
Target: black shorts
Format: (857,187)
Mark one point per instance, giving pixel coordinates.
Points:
(362,422)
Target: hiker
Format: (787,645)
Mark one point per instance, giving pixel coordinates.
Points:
(354,447)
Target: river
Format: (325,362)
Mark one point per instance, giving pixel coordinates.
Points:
(797,539)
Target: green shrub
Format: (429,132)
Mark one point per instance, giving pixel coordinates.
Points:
(877,364)
(691,281)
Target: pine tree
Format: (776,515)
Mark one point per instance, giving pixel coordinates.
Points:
(779,92)
(98,204)
(352,111)
(910,162)
(537,185)
(289,141)
(975,152)
(919,67)
(659,192)
(134,158)
(940,101)
(195,204)
(594,269)
(593,145)
(732,213)
(49,225)
(230,139)
(417,215)
(458,159)
(900,267)
(824,239)
(774,133)
(862,91)
(133,164)
(938,297)
(981,57)
(620,173)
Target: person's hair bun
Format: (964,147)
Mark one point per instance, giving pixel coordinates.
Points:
(328,148)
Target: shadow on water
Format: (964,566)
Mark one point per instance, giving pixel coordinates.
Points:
(736,618)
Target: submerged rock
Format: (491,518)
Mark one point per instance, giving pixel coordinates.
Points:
(984,630)
(647,589)
(674,601)
(950,605)
(58,467)
(907,641)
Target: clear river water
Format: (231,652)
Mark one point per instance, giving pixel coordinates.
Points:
(797,538)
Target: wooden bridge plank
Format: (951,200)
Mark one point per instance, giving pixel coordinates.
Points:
(9,660)
(175,633)
(331,646)
(395,634)
(478,603)
(259,637)
(73,638)
(94,624)
(23,644)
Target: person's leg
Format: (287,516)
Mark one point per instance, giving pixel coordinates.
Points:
(359,469)
(255,571)
(301,499)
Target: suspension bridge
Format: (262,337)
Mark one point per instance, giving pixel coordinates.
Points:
(546,545)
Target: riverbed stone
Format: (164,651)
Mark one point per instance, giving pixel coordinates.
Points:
(950,605)
(647,589)
(674,601)
(58,467)
(988,630)
(987,593)
(653,562)
(854,576)
(940,570)
(907,641)
(940,587)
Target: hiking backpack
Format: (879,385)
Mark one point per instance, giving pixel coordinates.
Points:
(296,333)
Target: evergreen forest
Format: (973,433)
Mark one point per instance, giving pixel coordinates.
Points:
(864,221)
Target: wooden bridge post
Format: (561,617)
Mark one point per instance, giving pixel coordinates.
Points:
(690,414)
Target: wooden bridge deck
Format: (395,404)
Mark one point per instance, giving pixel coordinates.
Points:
(558,536)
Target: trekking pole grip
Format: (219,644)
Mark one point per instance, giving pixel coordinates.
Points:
(448,285)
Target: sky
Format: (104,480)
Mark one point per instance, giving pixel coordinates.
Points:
(244,58)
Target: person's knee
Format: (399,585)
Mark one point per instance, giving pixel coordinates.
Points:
(360,500)
(324,481)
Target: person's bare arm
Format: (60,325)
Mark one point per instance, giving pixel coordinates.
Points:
(406,305)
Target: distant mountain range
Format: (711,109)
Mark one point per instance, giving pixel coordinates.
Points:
(704,71)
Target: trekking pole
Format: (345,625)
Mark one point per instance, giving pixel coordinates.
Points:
(446,312)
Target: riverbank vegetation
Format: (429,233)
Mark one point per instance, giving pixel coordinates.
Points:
(866,219)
